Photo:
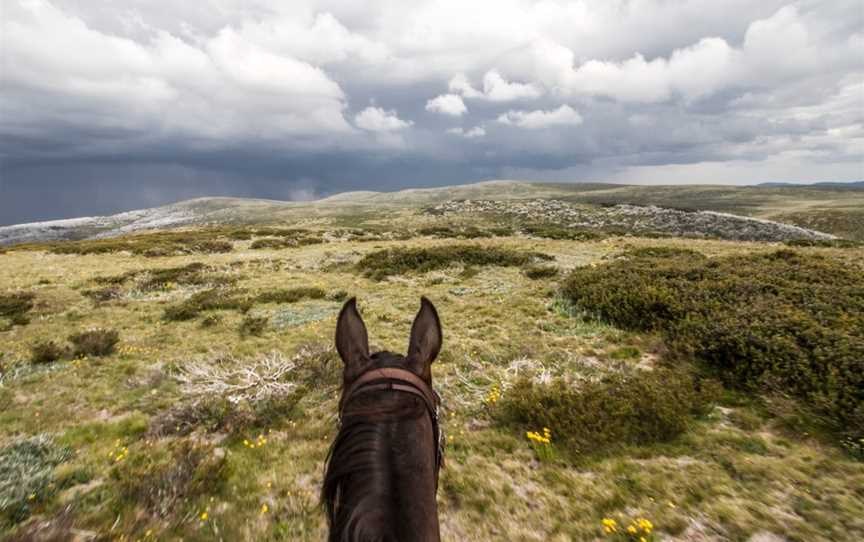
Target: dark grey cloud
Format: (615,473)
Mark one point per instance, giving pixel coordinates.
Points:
(107,106)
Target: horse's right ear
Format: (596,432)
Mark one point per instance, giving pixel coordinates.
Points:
(352,342)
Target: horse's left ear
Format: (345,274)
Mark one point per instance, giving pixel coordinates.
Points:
(426,339)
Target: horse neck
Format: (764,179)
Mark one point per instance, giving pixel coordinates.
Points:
(387,475)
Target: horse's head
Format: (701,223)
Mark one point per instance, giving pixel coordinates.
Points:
(352,342)
(382,470)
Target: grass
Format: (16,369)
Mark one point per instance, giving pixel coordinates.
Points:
(742,468)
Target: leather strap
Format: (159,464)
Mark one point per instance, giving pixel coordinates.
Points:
(393,378)
(415,385)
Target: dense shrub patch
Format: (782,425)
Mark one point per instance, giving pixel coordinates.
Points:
(236,299)
(538,271)
(782,318)
(94,342)
(253,325)
(15,306)
(465,232)
(555,231)
(639,408)
(213,299)
(290,295)
(286,238)
(46,352)
(824,243)
(396,261)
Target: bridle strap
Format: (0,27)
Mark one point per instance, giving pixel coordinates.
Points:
(400,380)
(393,378)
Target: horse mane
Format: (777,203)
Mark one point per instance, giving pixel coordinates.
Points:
(360,469)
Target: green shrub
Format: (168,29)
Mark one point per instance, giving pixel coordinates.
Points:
(555,231)
(290,295)
(824,243)
(94,342)
(101,295)
(284,242)
(253,325)
(211,320)
(15,306)
(536,271)
(273,243)
(46,352)
(27,474)
(213,299)
(187,274)
(625,352)
(465,232)
(781,319)
(621,409)
(396,261)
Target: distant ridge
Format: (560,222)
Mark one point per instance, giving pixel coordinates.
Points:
(764,201)
(830,184)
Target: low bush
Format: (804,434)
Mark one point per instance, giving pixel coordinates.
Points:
(46,352)
(290,295)
(211,320)
(15,306)
(536,271)
(621,409)
(284,242)
(27,475)
(464,232)
(212,299)
(94,342)
(396,261)
(555,231)
(253,325)
(101,295)
(191,274)
(824,243)
(782,319)
(162,480)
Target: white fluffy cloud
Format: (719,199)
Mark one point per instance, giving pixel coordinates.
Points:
(471,133)
(774,49)
(656,80)
(376,119)
(447,104)
(495,88)
(563,116)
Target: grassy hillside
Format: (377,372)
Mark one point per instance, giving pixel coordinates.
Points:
(830,209)
(209,413)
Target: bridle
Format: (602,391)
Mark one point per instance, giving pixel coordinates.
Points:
(393,378)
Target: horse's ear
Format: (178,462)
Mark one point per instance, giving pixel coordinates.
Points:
(352,341)
(426,338)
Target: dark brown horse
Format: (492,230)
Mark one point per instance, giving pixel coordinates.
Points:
(382,470)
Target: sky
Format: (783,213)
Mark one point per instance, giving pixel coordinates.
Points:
(109,105)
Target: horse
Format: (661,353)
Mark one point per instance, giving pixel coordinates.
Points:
(381,474)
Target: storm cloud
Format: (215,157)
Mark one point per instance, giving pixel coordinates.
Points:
(108,105)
